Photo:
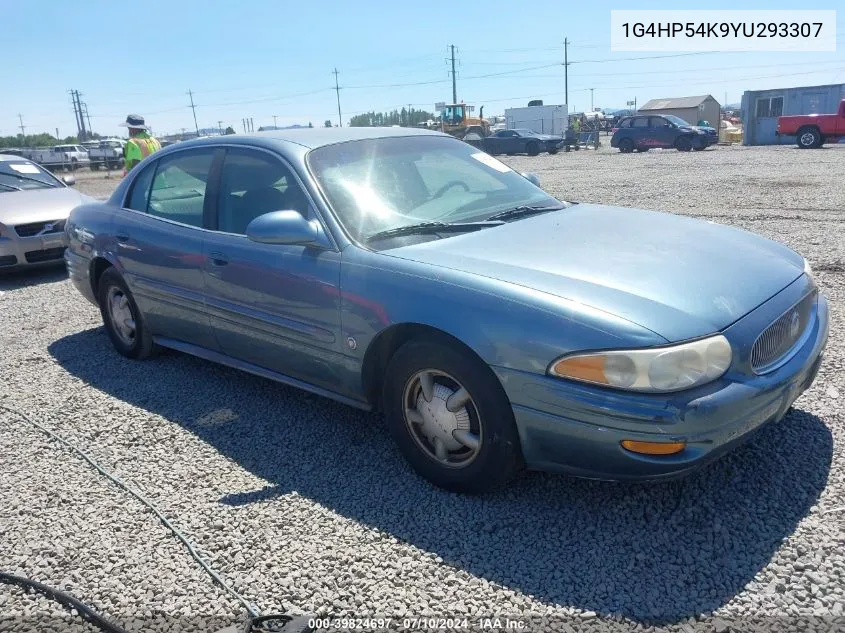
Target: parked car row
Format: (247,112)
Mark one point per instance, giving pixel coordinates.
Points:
(70,157)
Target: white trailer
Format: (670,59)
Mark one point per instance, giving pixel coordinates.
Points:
(542,119)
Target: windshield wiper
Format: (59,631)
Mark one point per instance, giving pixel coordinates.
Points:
(38,180)
(431,227)
(524,210)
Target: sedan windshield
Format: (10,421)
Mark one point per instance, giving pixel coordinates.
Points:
(379,184)
(17,175)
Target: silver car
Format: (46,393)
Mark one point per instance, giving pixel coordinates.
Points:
(34,206)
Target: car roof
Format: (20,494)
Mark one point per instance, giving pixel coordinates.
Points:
(317,136)
(14,157)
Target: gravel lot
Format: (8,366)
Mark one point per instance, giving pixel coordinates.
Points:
(305,504)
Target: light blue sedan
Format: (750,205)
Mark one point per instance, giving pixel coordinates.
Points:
(495,326)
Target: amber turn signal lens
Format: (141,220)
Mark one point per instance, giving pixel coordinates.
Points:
(587,368)
(654,448)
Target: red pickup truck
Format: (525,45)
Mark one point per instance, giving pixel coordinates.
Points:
(813,130)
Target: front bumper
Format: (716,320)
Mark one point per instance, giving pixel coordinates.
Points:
(578,429)
(23,252)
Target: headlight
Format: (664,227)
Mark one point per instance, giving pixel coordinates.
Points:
(654,370)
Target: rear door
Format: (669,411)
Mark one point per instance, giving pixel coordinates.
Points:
(159,238)
(640,132)
(272,305)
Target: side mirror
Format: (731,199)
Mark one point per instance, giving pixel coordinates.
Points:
(69,180)
(531,176)
(284,227)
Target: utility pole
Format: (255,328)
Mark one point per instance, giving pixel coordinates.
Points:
(591,100)
(194,109)
(23,127)
(409,115)
(87,116)
(243,122)
(454,78)
(566,72)
(251,126)
(274,122)
(220,127)
(337,90)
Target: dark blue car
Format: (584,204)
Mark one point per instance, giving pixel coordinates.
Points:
(644,132)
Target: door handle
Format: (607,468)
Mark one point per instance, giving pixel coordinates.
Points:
(218,259)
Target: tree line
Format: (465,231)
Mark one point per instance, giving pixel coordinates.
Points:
(41,140)
(405,116)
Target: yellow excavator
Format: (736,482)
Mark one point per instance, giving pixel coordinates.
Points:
(458,120)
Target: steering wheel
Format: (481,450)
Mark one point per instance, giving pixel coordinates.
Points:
(449,185)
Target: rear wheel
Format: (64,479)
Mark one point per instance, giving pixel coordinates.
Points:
(532,149)
(809,138)
(683,144)
(122,318)
(553,150)
(450,417)
(626,146)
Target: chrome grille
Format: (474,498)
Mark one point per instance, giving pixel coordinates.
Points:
(778,340)
(40,228)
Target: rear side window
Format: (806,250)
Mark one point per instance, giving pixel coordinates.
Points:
(179,186)
(140,195)
(640,122)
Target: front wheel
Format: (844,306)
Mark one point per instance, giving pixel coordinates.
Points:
(122,318)
(532,149)
(683,144)
(450,417)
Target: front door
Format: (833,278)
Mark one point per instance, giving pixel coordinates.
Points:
(272,305)
(159,245)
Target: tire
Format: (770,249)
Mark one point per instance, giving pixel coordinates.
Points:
(809,138)
(112,288)
(487,417)
(553,150)
(643,150)
(683,144)
(532,149)
(700,148)
(626,145)
(74,165)
(95,166)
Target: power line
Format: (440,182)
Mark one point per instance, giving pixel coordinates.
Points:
(337,91)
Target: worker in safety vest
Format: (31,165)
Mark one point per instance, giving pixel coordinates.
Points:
(141,143)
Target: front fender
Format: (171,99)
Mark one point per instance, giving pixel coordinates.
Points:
(504,324)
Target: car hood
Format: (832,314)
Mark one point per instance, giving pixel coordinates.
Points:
(37,205)
(548,137)
(677,276)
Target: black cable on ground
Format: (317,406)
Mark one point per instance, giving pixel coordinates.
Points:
(288,623)
(65,599)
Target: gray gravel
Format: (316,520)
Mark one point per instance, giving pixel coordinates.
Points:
(305,504)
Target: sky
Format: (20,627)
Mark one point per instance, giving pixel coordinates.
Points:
(261,59)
